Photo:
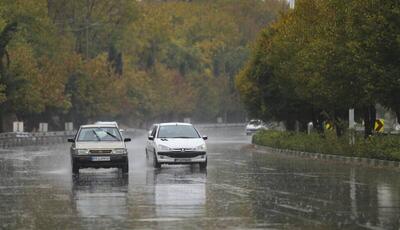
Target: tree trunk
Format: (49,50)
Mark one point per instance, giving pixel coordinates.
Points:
(369,120)
(339,131)
(372,110)
(367,124)
(290,125)
(1,122)
(339,118)
(317,120)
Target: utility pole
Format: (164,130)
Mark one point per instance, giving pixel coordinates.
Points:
(352,126)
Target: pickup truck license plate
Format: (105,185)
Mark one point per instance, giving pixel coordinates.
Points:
(183,160)
(100,158)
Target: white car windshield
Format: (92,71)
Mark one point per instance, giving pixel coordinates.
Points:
(255,122)
(178,131)
(99,134)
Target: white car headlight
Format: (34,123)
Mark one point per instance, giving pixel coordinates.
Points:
(201,147)
(82,151)
(119,151)
(163,148)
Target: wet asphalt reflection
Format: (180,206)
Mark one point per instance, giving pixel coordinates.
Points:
(241,189)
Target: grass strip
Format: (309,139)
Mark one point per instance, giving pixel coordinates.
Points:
(383,147)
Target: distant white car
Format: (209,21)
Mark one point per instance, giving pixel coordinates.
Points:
(107,123)
(255,125)
(110,123)
(176,143)
(396,129)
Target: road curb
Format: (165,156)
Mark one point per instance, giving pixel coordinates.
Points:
(338,158)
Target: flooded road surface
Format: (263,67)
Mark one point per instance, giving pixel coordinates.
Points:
(241,189)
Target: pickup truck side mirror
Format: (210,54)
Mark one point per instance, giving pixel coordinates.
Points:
(205,138)
(127,139)
(71,140)
(151,138)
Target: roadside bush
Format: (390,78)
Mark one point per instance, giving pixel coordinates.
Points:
(385,147)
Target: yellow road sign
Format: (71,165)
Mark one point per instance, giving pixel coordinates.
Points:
(328,126)
(379,125)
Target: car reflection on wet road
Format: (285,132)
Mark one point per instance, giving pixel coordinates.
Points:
(240,189)
(101,194)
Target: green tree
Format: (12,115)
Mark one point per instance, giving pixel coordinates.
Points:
(322,58)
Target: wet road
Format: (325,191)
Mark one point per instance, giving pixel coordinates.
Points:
(241,189)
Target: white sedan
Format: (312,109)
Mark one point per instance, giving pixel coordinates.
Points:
(99,146)
(255,125)
(176,143)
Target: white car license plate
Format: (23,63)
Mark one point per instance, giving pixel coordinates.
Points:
(183,160)
(101,159)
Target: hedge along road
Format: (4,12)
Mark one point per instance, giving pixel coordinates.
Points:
(242,188)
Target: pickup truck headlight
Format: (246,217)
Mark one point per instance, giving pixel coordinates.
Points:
(201,147)
(119,151)
(164,148)
(82,151)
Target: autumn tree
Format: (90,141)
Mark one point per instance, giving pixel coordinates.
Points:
(132,60)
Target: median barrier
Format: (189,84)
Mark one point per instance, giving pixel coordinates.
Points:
(9,140)
(16,139)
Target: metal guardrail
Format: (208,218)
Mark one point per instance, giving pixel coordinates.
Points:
(35,134)
(8,140)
